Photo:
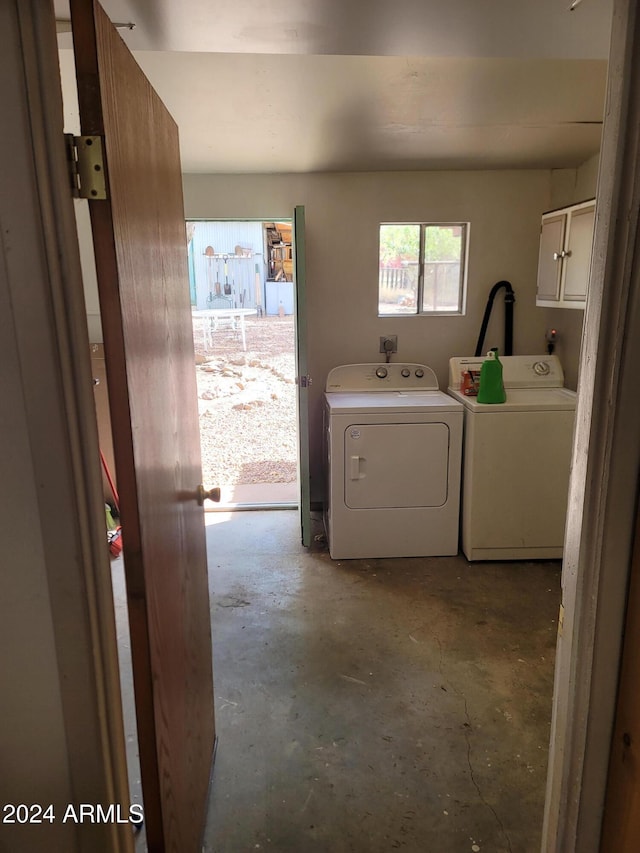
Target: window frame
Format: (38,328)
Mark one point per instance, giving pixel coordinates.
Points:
(464,261)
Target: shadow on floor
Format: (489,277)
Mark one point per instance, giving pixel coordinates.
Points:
(373,705)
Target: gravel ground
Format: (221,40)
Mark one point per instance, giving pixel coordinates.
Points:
(247,403)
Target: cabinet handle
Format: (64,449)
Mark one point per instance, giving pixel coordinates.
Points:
(558,256)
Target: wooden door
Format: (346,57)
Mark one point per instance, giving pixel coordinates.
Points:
(621,821)
(140,245)
(302,376)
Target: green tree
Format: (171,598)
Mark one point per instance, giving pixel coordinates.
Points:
(400,243)
(442,243)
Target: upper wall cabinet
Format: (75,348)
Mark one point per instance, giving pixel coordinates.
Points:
(566,236)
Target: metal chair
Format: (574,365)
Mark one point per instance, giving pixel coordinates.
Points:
(222,322)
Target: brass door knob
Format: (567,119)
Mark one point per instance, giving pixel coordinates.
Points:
(207,494)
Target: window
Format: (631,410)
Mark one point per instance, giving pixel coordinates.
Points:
(422,268)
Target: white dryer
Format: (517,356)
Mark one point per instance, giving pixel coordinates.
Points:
(393,461)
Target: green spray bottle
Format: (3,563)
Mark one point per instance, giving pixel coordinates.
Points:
(491,388)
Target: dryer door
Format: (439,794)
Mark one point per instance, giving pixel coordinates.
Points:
(396,465)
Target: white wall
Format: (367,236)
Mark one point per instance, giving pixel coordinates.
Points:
(343,212)
(570,186)
(89,277)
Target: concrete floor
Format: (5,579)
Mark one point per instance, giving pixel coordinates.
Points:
(373,705)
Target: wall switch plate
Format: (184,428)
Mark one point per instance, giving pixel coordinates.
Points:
(389,343)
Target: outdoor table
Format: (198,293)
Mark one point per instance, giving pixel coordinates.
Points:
(216,316)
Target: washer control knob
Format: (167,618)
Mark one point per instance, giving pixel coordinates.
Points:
(541,368)
(419,373)
(405,372)
(381,372)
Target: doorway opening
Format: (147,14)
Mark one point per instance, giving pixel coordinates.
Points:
(244,330)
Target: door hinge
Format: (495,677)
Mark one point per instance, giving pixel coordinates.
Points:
(86,166)
(304,381)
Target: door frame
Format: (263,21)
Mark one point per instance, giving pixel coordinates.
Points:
(603,490)
(303,379)
(61,475)
(300,346)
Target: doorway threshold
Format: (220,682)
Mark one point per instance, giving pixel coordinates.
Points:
(257,496)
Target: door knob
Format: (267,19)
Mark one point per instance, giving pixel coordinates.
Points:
(203,494)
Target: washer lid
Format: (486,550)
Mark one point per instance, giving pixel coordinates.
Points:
(518,371)
(362,402)
(523,400)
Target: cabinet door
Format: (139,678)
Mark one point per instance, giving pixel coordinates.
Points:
(578,260)
(549,260)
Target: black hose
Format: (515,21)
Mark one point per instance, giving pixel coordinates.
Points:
(509,299)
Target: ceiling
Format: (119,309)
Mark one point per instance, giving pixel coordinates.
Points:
(359,85)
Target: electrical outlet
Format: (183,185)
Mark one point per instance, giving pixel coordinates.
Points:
(389,343)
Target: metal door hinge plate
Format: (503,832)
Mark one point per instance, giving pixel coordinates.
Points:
(304,381)
(86,166)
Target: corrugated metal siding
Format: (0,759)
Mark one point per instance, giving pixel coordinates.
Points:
(241,277)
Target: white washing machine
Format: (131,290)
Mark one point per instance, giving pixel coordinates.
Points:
(393,454)
(516,460)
